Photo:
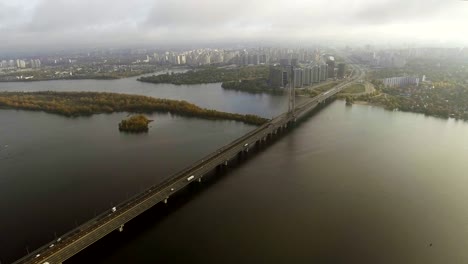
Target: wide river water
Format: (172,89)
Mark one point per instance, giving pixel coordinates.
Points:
(349,185)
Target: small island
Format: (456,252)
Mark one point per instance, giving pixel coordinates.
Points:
(135,124)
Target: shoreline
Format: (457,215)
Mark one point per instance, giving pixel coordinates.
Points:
(398,110)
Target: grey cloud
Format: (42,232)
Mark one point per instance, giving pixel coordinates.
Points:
(8,15)
(401,11)
(41,23)
(198,13)
(50,15)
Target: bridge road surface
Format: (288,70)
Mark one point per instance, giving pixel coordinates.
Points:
(78,239)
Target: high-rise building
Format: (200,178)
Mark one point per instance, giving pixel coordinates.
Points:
(307,76)
(341,70)
(284,62)
(285,78)
(276,77)
(279,77)
(323,72)
(20,63)
(295,62)
(316,74)
(401,81)
(298,78)
(331,67)
(263,59)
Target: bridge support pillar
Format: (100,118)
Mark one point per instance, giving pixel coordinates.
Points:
(225,163)
(121,228)
(199,179)
(165,200)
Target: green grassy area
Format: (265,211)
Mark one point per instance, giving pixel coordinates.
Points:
(354,89)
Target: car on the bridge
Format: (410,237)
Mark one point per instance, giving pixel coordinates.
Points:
(114,209)
(190,178)
(246,144)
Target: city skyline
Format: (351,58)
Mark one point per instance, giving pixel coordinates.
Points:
(58,24)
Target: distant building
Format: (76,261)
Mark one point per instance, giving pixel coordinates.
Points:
(20,63)
(284,62)
(294,62)
(254,59)
(279,77)
(341,70)
(276,77)
(285,78)
(400,81)
(331,67)
(316,74)
(263,59)
(324,70)
(298,73)
(307,76)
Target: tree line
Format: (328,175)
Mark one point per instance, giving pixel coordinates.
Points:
(209,75)
(136,123)
(88,103)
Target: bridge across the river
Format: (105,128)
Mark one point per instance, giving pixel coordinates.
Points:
(78,239)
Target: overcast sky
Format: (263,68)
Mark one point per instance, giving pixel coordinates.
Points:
(38,24)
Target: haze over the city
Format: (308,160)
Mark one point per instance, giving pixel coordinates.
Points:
(58,24)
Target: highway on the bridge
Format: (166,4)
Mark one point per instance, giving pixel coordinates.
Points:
(114,219)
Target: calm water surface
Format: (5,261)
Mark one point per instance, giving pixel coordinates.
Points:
(205,95)
(350,185)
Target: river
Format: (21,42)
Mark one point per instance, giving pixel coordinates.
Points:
(205,95)
(350,184)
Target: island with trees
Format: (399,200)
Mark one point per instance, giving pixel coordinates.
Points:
(210,75)
(74,104)
(135,124)
(259,85)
